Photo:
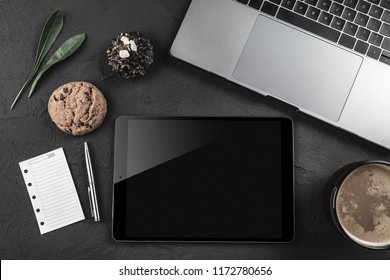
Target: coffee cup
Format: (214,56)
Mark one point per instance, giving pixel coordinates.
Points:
(360,204)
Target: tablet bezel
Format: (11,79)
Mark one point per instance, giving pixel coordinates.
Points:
(120,167)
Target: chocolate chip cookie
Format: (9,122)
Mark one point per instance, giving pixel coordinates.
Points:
(77,108)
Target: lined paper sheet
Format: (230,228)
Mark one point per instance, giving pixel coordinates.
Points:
(52,191)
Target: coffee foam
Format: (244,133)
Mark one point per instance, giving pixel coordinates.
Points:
(363,205)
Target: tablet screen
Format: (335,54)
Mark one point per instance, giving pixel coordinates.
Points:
(204,179)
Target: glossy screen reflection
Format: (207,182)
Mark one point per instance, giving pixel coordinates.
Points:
(203,179)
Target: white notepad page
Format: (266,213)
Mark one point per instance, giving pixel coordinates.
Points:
(51,189)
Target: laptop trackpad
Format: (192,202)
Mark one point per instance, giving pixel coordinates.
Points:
(298,68)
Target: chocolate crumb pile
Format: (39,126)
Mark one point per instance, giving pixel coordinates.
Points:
(130,55)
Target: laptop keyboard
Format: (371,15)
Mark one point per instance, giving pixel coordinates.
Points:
(363,26)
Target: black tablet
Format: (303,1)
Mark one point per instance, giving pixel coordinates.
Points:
(223,179)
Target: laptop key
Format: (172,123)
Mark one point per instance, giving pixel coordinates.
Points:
(363,6)
(313,13)
(361,47)
(376,11)
(374,52)
(384,59)
(363,34)
(339,1)
(309,25)
(385,4)
(289,4)
(375,39)
(347,41)
(311,2)
(269,8)
(386,44)
(255,4)
(374,1)
(325,18)
(338,23)
(336,9)
(300,8)
(385,30)
(386,16)
(324,4)
(349,14)
(277,2)
(350,28)
(350,3)
(374,24)
(361,19)
(386,54)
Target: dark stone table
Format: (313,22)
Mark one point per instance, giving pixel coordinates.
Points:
(171,88)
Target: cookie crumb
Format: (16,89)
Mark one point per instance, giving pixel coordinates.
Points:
(133,46)
(125,40)
(124,54)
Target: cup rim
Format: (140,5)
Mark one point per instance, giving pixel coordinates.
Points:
(336,187)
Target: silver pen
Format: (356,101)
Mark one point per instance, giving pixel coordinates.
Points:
(91,188)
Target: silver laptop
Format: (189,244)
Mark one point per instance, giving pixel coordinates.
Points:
(330,59)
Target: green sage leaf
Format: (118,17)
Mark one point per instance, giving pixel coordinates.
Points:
(66,49)
(50,32)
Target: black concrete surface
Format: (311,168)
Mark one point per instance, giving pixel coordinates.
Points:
(171,88)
